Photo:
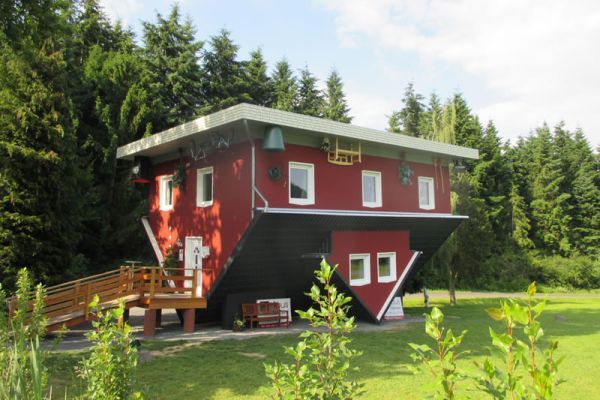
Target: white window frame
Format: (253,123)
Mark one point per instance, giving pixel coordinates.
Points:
(163,192)
(429,182)
(367,273)
(393,267)
(200,187)
(377,176)
(310,168)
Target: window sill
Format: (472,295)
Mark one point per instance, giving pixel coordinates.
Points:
(204,204)
(386,279)
(302,202)
(372,205)
(361,282)
(426,207)
(166,208)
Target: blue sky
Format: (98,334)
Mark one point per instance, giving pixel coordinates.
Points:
(517,62)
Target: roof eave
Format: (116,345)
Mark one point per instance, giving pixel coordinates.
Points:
(288,119)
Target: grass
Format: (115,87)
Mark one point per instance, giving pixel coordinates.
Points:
(233,369)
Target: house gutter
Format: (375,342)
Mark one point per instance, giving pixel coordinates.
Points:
(254,189)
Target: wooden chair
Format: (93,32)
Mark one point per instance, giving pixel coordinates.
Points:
(250,313)
(271,312)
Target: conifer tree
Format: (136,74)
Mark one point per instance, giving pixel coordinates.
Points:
(335,106)
(409,117)
(224,77)
(41,182)
(519,221)
(172,75)
(258,84)
(310,98)
(285,88)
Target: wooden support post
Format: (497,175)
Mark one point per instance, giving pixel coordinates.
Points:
(189,320)
(76,294)
(126,315)
(149,322)
(142,282)
(159,318)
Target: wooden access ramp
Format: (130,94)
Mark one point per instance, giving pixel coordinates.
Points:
(151,288)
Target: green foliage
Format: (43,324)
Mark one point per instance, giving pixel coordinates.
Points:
(108,372)
(23,374)
(440,361)
(285,87)
(540,366)
(322,359)
(258,83)
(335,106)
(578,272)
(310,98)
(408,120)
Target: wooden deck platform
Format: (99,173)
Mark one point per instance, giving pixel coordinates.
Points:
(152,288)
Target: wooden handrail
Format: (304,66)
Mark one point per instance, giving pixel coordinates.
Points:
(73,298)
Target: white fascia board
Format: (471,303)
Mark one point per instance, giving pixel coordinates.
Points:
(298,121)
(358,213)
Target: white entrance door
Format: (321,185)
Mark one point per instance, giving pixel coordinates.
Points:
(193,260)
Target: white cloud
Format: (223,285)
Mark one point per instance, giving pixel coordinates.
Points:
(124,10)
(538,59)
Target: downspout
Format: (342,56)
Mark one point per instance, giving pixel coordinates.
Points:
(253,173)
(153,242)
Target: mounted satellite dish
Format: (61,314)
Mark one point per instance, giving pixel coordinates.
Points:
(140,172)
(275,173)
(273,140)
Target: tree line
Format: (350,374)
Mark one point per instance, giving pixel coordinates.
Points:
(533,206)
(75,86)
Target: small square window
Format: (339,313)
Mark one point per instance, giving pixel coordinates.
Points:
(426,193)
(166,192)
(360,269)
(386,267)
(371,188)
(301,183)
(204,187)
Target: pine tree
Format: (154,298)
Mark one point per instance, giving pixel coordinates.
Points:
(258,84)
(520,221)
(335,106)
(285,88)
(411,113)
(310,99)
(171,85)
(224,77)
(41,182)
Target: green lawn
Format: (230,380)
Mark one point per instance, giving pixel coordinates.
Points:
(233,369)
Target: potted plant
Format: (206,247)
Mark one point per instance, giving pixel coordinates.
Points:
(238,324)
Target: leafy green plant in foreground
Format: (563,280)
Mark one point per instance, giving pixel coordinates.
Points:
(22,371)
(441,360)
(322,359)
(108,372)
(540,366)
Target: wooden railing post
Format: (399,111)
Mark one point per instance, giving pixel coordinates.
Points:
(76,293)
(142,282)
(88,293)
(152,279)
(194,282)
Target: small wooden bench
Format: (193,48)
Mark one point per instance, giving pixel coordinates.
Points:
(265,312)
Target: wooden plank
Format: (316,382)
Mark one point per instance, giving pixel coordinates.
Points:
(199,303)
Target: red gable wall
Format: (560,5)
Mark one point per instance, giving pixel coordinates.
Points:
(220,225)
(344,243)
(340,187)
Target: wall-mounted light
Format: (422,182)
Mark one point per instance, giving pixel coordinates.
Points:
(459,166)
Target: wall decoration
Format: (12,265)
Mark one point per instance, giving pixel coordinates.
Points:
(405,172)
(343,155)
(275,173)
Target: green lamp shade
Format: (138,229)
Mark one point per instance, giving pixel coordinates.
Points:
(273,140)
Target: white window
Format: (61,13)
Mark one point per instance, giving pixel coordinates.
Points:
(386,267)
(166,192)
(371,188)
(360,269)
(302,183)
(204,187)
(426,194)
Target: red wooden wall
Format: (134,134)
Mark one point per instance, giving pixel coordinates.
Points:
(220,225)
(344,243)
(340,187)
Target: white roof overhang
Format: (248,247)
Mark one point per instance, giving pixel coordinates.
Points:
(233,117)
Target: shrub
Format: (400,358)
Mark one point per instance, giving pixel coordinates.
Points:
(322,359)
(108,372)
(22,371)
(579,272)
